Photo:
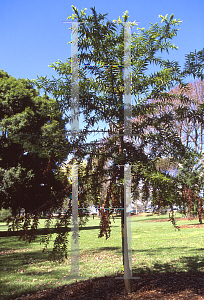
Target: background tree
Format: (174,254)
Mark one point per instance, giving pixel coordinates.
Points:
(189,129)
(32,146)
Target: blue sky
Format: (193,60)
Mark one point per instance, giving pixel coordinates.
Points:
(33,35)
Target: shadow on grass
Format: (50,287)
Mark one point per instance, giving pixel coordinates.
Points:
(15,288)
(151,252)
(118,249)
(43,231)
(161,279)
(23,257)
(156,251)
(190,264)
(21,260)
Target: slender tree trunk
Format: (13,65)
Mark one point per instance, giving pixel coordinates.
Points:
(200,209)
(196,136)
(184,199)
(190,202)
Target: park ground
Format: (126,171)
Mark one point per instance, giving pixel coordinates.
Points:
(168,262)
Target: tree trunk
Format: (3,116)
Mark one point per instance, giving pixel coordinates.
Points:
(200,209)
(184,199)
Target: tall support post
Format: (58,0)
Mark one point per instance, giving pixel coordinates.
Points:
(127,80)
(74,131)
(127,169)
(126,215)
(74,225)
(127,223)
(74,81)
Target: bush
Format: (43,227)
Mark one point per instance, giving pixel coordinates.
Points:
(4,213)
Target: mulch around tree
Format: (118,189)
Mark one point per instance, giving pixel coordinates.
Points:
(163,286)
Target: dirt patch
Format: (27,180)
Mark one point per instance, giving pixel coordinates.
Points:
(177,219)
(192,226)
(198,225)
(150,286)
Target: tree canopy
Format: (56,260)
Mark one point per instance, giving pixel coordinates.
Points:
(32,145)
(101,90)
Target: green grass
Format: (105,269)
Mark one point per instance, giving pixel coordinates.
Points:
(156,246)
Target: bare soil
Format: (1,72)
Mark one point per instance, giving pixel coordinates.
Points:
(177,219)
(193,225)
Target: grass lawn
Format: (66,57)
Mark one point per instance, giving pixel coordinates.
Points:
(156,247)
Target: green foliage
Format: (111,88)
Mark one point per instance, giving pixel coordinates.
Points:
(191,172)
(4,213)
(101,89)
(194,64)
(32,147)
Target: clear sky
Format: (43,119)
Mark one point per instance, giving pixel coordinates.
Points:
(33,35)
